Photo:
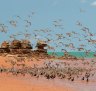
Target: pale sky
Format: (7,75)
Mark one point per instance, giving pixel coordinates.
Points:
(45,12)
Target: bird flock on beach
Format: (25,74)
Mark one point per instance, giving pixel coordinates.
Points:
(76,70)
(60,40)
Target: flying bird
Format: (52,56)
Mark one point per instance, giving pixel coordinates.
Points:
(13,23)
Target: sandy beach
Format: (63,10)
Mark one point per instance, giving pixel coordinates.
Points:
(9,82)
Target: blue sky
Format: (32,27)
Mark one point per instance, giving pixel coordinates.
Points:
(46,11)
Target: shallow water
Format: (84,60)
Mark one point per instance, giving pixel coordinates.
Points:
(77,54)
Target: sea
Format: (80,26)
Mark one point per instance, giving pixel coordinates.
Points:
(76,54)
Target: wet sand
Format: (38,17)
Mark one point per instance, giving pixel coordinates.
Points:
(11,83)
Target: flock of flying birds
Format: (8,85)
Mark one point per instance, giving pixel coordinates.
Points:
(59,40)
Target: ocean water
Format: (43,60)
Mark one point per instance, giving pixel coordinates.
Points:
(76,54)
